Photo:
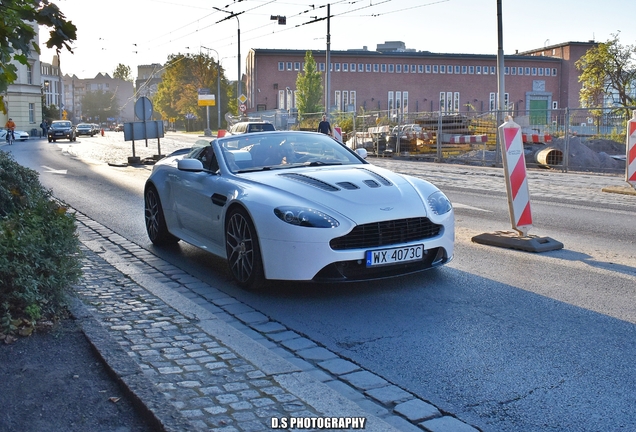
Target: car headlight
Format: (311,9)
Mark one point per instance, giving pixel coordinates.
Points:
(439,203)
(306,217)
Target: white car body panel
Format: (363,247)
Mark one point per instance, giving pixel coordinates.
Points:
(195,204)
(18,134)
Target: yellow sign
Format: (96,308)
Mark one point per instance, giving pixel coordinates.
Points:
(242,98)
(64,115)
(207,100)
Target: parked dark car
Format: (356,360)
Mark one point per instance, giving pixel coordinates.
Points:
(62,129)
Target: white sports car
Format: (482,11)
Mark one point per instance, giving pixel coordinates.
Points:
(19,135)
(297,206)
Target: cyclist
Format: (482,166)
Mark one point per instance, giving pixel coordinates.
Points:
(10,128)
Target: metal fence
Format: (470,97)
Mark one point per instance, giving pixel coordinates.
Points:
(566,139)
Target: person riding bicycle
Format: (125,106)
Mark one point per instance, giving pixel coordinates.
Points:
(10,129)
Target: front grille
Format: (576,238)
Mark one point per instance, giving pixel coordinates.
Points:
(387,233)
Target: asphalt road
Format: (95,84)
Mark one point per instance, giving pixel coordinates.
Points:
(505,340)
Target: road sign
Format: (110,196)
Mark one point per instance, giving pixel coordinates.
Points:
(206,100)
(242,98)
(243,107)
(143,108)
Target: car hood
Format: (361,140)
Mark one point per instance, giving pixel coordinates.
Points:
(359,191)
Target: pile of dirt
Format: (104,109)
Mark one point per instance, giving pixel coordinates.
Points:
(592,155)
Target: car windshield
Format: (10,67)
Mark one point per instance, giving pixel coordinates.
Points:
(282,150)
(83,125)
(60,125)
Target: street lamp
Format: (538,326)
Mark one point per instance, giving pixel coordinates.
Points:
(235,15)
(218,86)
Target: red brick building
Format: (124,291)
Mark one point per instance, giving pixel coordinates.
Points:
(408,81)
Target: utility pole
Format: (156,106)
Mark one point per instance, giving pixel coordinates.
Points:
(238,80)
(328,61)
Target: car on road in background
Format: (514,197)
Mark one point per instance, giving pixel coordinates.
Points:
(85,129)
(18,134)
(290,205)
(61,129)
(96,128)
(249,127)
(119,128)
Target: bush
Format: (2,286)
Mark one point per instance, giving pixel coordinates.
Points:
(39,249)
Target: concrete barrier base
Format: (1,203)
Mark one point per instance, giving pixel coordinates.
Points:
(512,240)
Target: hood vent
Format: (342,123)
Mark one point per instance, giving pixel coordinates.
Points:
(381,179)
(311,181)
(348,185)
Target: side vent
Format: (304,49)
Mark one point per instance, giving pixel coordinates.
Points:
(372,183)
(381,179)
(311,181)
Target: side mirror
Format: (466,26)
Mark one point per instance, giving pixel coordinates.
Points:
(190,165)
(362,152)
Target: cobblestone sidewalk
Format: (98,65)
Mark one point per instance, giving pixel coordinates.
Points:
(198,359)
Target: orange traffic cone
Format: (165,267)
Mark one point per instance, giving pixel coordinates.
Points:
(102,131)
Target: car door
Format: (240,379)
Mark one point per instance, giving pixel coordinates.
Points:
(199,201)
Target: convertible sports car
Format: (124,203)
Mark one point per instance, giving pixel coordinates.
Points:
(297,206)
(19,135)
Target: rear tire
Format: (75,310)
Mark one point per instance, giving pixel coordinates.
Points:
(155,221)
(243,250)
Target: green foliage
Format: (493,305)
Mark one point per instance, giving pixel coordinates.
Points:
(608,71)
(178,91)
(39,250)
(309,87)
(100,104)
(17,34)
(123,72)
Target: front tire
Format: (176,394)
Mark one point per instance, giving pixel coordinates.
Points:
(243,251)
(155,221)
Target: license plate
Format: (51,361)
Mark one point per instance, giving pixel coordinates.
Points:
(394,255)
(59,133)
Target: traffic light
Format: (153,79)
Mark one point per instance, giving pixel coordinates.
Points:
(282,20)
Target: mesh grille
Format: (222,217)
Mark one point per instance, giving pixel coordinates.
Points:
(387,233)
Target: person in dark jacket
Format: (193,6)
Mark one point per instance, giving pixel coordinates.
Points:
(324,126)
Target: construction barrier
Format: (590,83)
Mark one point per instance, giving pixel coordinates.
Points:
(221,133)
(514,162)
(537,139)
(337,134)
(630,169)
(468,139)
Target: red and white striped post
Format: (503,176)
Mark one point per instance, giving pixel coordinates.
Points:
(337,133)
(514,163)
(630,169)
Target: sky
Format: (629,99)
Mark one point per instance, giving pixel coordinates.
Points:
(137,32)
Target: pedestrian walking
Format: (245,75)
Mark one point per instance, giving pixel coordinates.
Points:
(324,126)
(45,127)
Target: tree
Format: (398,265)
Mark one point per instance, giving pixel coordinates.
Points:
(178,91)
(123,72)
(100,105)
(309,87)
(608,71)
(17,34)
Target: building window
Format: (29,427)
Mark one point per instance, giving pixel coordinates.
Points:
(405,102)
(534,71)
(428,68)
(296,66)
(457,69)
(449,68)
(391,68)
(321,67)
(345,67)
(554,71)
(493,70)
(337,100)
(485,70)
(390,97)
(352,67)
(368,67)
(494,101)
(442,69)
(383,68)
(345,100)
(281,99)
(31,112)
(555,105)
(289,66)
(464,69)
(337,67)
(442,101)
(406,68)
(435,68)
(547,71)
(478,70)
(414,68)
(540,71)
(29,75)
(513,71)
(520,70)
(398,68)
(360,67)
(352,99)
(376,67)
